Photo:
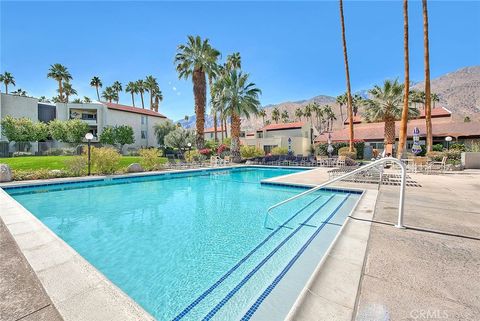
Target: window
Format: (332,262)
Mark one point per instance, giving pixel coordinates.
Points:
(143,134)
(242,134)
(259,134)
(144,120)
(89,116)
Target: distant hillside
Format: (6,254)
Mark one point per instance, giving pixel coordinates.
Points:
(459,91)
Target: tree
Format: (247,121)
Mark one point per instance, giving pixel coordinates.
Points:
(330,116)
(97,83)
(151,85)
(212,73)
(194,59)
(141,90)
(7,79)
(179,138)
(285,116)
(117,87)
(68,90)
(298,114)
(357,101)
(162,130)
(386,105)
(59,73)
(110,94)
(428,106)
(341,101)
(123,136)
(262,113)
(434,98)
(77,101)
(86,100)
(70,131)
(23,130)
(19,92)
(43,99)
(402,139)
(275,115)
(107,136)
(319,115)
(157,99)
(308,112)
(132,88)
(347,77)
(240,98)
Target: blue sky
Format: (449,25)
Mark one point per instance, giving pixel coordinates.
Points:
(292,50)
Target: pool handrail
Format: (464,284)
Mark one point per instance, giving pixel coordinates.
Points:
(381,161)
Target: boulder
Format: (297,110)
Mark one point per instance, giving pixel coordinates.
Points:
(134,168)
(5,173)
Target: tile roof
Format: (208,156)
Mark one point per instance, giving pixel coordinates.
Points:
(130,109)
(283,126)
(212,129)
(436,113)
(375,131)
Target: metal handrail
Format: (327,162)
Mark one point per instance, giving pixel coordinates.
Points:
(358,170)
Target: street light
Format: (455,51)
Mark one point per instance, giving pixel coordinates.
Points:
(88,137)
(448,139)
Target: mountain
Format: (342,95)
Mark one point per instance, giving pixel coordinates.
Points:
(459,92)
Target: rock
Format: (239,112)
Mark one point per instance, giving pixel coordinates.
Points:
(5,173)
(134,168)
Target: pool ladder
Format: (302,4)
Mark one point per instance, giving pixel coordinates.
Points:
(374,165)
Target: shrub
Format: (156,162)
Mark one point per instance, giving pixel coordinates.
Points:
(227,141)
(21,175)
(344,151)
(279,151)
(436,155)
(60,151)
(150,158)
(437,147)
(212,144)
(453,155)
(206,152)
(321,149)
(76,165)
(251,152)
(105,160)
(474,147)
(194,155)
(223,150)
(458,147)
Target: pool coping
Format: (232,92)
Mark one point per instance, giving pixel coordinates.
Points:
(77,289)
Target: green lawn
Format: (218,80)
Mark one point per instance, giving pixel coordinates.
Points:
(55,162)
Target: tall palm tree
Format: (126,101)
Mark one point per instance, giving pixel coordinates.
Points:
(141,90)
(347,76)
(132,88)
(402,138)
(341,101)
(308,111)
(386,105)
(20,92)
(60,73)
(275,115)
(213,71)
(97,83)
(68,90)
(151,85)
(234,61)
(357,101)
(110,94)
(7,79)
(240,98)
(157,99)
(299,113)
(117,87)
(428,106)
(330,116)
(285,116)
(434,98)
(262,113)
(194,59)
(86,100)
(319,115)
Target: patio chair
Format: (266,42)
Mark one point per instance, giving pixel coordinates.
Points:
(341,161)
(214,161)
(438,167)
(420,164)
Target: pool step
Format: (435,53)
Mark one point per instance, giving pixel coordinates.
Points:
(234,292)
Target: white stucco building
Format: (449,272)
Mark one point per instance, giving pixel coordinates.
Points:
(97,115)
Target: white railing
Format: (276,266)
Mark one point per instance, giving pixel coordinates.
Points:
(376,163)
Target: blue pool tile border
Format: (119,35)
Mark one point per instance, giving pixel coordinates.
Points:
(217,308)
(248,315)
(328,189)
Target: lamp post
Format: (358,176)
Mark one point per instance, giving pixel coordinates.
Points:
(89,137)
(448,139)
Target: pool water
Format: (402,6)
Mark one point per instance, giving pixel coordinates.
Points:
(194,246)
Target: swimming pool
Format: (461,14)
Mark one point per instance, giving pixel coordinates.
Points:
(190,246)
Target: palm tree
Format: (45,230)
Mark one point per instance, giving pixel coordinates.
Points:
(234,61)
(60,73)
(97,83)
(347,76)
(402,138)
(132,88)
(117,87)
(68,90)
(7,79)
(240,98)
(386,105)
(341,101)
(307,113)
(285,116)
(43,99)
(86,100)
(330,116)
(77,101)
(357,101)
(434,98)
(157,99)
(319,115)
(186,117)
(141,90)
(299,114)
(151,85)
(262,113)
(20,92)
(195,59)
(275,115)
(109,94)
(428,106)
(212,71)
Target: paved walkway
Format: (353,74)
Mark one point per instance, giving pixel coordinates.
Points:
(22,297)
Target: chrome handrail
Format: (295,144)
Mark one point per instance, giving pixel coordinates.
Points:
(358,170)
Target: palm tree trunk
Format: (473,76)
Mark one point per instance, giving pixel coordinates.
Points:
(341,115)
(428,107)
(235,147)
(118,96)
(210,85)
(200,93)
(402,139)
(6,88)
(98,94)
(141,97)
(347,76)
(133,99)
(60,90)
(151,100)
(221,123)
(226,127)
(389,131)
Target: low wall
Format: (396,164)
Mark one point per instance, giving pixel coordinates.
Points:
(471,160)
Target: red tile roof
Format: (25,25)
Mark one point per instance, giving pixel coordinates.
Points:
(130,109)
(356,120)
(283,126)
(436,113)
(212,129)
(375,131)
